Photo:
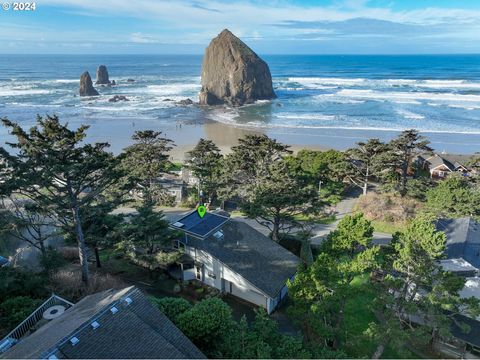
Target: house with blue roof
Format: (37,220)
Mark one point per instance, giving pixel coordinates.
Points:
(235,258)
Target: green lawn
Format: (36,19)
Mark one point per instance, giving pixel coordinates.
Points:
(387,227)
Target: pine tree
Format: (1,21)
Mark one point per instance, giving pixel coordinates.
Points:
(58,172)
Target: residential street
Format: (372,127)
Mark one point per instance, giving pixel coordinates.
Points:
(320,231)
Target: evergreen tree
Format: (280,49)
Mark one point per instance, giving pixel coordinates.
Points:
(256,173)
(319,293)
(417,301)
(58,173)
(204,161)
(401,152)
(145,161)
(363,162)
(455,196)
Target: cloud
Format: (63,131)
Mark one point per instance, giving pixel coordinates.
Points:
(140,38)
(152,22)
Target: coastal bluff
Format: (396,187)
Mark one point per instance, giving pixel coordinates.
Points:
(86,85)
(233,74)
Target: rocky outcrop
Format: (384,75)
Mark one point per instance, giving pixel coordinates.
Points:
(102,76)
(185,102)
(118,98)
(86,85)
(233,74)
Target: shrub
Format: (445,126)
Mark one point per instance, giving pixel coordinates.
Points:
(206,323)
(52,260)
(15,309)
(172,307)
(17,282)
(69,284)
(69,253)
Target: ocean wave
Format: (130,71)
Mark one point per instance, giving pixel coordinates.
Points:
(306,116)
(410,115)
(229,119)
(171,89)
(67,81)
(401,96)
(325,83)
(23,92)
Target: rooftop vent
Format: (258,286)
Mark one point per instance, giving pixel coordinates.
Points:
(74,341)
(128,300)
(178,224)
(95,325)
(218,235)
(114,310)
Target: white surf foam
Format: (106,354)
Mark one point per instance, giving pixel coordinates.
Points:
(410,115)
(402,96)
(306,117)
(23,92)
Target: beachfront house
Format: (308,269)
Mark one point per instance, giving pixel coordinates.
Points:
(440,166)
(106,325)
(235,258)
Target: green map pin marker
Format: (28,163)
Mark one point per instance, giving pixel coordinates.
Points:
(202,210)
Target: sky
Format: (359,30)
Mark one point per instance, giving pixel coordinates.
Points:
(268,26)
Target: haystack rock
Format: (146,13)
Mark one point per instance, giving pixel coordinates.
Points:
(86,85)
(102,76)
(233,74)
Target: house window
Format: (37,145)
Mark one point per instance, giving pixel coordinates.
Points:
(441,174)
(198,272)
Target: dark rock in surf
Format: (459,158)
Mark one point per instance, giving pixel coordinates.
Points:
(117,98)
(102,76)
(185,102)
(130,80)
(113,83)
(86,85)
(233,74)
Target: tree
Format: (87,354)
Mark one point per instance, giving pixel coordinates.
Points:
(207,324)
(58,173)
(363,162)
(257,175)
(455,196)
(100,225)
(401,153)
(319,292)
(147,229)
(25,221)
(204,162)
(145,161)
(418,301)
(322,169)
(172,307)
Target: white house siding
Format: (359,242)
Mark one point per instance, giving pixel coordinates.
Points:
(217,275)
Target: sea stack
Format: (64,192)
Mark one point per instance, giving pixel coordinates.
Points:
(86,85)
(102,76)
(233,74)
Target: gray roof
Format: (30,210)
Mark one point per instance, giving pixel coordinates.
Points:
(259,260)
(470,336)
(438,160)
(463,239)
(136,330)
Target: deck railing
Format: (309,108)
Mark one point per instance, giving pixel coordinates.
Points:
(29,323)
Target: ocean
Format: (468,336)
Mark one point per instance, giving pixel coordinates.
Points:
(325,101)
